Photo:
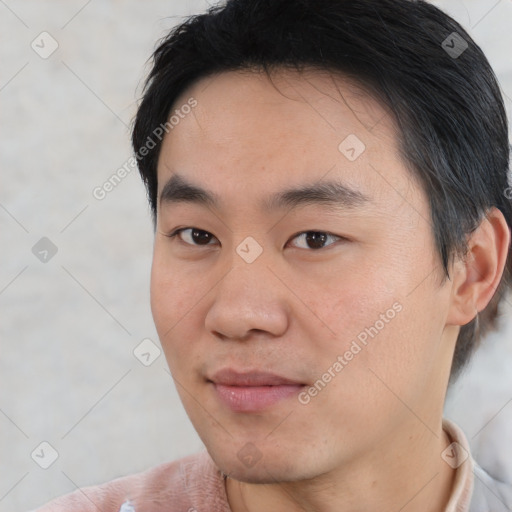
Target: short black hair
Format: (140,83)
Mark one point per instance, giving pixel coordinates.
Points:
(414,58)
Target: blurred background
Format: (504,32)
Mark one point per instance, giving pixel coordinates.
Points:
(85,392)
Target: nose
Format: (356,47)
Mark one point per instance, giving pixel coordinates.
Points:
(248,299)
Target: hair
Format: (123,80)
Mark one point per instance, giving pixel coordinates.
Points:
(452,124)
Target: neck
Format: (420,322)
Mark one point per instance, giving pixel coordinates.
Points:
(405,472)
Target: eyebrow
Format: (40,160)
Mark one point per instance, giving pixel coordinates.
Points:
(330,193)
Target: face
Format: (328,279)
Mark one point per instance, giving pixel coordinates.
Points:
(296,322)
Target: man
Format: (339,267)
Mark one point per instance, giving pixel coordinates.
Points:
(328,181)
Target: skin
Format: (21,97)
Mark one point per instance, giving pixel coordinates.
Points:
(372,438)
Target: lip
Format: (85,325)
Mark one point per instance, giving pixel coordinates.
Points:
(230,377)
(252,391)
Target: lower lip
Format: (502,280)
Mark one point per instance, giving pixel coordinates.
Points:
(254,398)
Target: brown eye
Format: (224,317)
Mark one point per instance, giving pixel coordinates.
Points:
(315,239)
(193,236)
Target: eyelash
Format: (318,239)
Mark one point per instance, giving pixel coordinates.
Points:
(176,232)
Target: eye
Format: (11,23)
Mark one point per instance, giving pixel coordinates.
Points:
(315,239)
(195,235)
(198,237)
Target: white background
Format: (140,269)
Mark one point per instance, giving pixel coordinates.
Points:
(68,327)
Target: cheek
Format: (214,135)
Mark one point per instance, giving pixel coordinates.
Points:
(380,326)
(389,363)
(174,286)
(376,367)
(165,297)
(351,299)
(174,297)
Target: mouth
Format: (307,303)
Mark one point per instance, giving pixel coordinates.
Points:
(252,391)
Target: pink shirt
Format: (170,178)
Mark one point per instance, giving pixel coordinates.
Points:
(195,484)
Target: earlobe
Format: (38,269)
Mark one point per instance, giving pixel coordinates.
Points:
(476,278)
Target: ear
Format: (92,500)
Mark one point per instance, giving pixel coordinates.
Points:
(476,278)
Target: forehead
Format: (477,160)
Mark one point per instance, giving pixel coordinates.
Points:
(311,99)
(249,132)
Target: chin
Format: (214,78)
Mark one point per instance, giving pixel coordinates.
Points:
(263,470)
(258,475)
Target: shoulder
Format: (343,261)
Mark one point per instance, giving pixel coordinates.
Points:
(490,493)
(186,485)
(476,489)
